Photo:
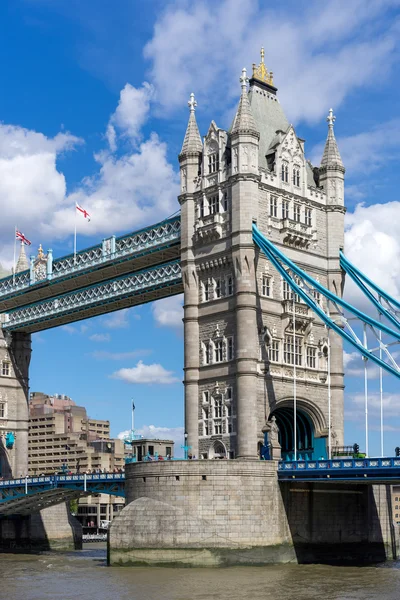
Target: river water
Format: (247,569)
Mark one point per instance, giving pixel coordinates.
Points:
(84,576)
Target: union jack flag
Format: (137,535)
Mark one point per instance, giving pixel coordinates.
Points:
(20,236)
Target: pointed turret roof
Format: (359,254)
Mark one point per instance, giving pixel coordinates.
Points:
(244,119)
(331,156)
(192,141)
(22,263)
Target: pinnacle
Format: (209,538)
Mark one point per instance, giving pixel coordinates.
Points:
(331,156)
(192,141)
(244,120)
(22,263)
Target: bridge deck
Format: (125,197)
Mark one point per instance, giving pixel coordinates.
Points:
(365,471)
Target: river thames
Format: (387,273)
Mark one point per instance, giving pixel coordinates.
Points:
(84,576)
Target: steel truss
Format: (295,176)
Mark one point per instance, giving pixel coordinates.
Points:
(159,281)
(308,289)
(111,249)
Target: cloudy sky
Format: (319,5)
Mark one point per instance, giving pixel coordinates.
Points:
(93,109)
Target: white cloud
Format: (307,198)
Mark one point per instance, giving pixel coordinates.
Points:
(335,48)
(102,355)
(118,319)
(354,366)
(131,113)
(100,337)
(142,373)
(168,312)
(161,433)
(356,404)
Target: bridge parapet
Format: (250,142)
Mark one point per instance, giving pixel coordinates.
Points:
(371,470)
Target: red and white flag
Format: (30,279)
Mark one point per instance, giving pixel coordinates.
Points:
(82,211)
(20,236)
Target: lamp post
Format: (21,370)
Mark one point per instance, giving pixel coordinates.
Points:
(185,447)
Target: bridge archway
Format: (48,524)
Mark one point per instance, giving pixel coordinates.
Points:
(309,445)
(218,450)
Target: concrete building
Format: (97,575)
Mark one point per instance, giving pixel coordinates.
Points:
(62,436)
(142,447)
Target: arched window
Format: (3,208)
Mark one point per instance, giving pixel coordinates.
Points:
(296,176)
(285,172)
(213,162)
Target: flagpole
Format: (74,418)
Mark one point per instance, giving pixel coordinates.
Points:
(15,251)
(75,237)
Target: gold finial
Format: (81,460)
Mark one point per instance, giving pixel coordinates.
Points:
(261,72)
(40,253)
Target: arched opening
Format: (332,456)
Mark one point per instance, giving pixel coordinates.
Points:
(217,450)
(306,449)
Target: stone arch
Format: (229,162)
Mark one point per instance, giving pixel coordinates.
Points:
(217,450)
(311,409)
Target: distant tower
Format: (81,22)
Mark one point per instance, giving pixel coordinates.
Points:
(22,263)
(240,346)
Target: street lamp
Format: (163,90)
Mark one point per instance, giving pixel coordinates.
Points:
(186,448)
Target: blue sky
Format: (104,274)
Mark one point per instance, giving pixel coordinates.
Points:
(93,108)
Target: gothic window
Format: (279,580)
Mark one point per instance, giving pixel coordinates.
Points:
(266,285)
(201,208)
(285,209)
(218,351)
(3,410)
(285,172)
(205,421)
(6,368)
(213,205)
(219,288)
(308,217)
(213,162)
(292,350)
(229,285)
(297,213)
(225,201)
(218,428)
(229,348)
(273,206)
(206,396)
(273,351)
(317,296)
(218,407)
(205,428)
(206,291)
(296,176)
(207,353)
(311,357)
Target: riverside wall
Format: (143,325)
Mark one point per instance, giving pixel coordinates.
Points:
(223,512)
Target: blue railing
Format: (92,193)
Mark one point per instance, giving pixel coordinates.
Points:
(343,468)
(57,480)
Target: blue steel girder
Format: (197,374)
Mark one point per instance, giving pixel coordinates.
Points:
(306,288)
(345,470)
(154,245)
(122,292)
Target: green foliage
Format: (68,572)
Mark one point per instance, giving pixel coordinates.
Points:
(73,506)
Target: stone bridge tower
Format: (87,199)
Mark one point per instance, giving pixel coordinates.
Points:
(15,356)
(240,347)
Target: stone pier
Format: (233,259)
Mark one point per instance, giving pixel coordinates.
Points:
(225,512)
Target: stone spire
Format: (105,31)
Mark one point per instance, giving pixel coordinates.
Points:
(331,156)
(192,141)
(244,121)
(22,263)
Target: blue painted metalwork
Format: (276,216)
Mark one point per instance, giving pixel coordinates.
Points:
(111,250)
(359,470)
(101,294)
(306,293)
(362,281)
(102,483)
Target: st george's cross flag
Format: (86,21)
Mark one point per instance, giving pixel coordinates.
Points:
(20,236)
(82,211)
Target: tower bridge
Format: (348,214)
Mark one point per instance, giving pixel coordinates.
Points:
(256,251)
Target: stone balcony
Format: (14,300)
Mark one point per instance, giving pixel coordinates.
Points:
(303,315)
(210,227)
(296,233)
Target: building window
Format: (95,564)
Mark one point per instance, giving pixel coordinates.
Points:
(213,205)
(217,428)
(205,428)
(308,217)
(218,351)
(273,206)
(285,209)
(168,450)
(230,285)
(266,285)
(297,213)
(285,172)
(206,291)
(288,292)
(206,397)
(219,288)
(311,357)
(292,350)
(296,176)
(207,353)
(317,296)
(213,162)
(6,368)
(273,351)
(229,348)
(201,208)
(217,408)
(2,410)
(225,201)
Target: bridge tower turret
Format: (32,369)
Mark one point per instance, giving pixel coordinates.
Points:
(190,165)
